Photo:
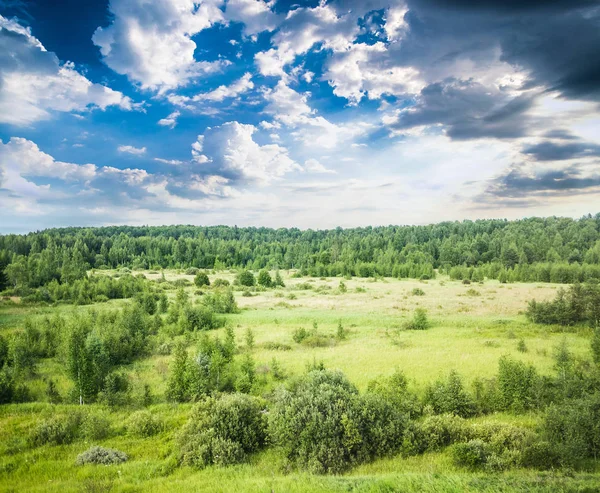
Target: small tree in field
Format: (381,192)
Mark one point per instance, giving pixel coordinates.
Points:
(264,279)
(201,279)
(246,278)
(278,282)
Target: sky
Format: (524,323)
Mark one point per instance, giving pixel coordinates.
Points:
(310,114)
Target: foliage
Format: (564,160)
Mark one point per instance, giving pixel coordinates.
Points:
(143,424)
(420,321)
(450,396)
(264,279)
(201,279)
(223,431)
(246,278)
(101,455)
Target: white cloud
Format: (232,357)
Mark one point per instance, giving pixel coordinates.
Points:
(301,30)
(314,166)
(234,90)
(173,162)
(24,156)
(132,150)
(151,43)
(290,108)
(356,72)
(170,121)
(34,83)
(230,150)
(256,15)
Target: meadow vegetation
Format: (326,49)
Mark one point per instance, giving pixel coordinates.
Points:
(260,379)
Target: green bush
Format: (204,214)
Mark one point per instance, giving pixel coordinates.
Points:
(101,455)
(95,426)
(450,397)
(58,430)
(264,279)
(143,424)
(223,431)
(436,432)
(246,278)
(220,283)
(201,279)
(314,422)
(417,292)
(472,454)
(221,301)
(517,383)
(420,321)
(300,334)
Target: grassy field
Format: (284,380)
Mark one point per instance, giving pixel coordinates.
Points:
(472,327)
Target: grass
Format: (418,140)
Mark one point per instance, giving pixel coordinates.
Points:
(469,333)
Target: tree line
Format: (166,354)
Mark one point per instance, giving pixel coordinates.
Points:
(510,250)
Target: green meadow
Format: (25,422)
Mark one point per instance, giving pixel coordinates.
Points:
(471,326)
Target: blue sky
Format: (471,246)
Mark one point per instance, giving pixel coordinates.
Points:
(308,114)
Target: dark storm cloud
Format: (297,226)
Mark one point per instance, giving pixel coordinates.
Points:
(549,151)
(556,42)
(468,110)
(517,184)
(560,134)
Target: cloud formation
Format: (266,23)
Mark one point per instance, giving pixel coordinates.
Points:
(34,83)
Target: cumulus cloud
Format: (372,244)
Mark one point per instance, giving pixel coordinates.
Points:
(26,157)
(289,107)
(34,83)
(135,151)
(234,90)
(314,166)
(170,121)
(302,29)
(468,110)
(256,15)
(151,42)
(230,151)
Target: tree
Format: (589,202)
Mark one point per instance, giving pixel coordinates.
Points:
(201,279)
(246,278)
(178,385)
(278,282)
(264,279)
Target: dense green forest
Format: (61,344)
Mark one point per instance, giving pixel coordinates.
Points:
(547,250)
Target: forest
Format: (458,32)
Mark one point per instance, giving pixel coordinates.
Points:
(452,357)
(553,249)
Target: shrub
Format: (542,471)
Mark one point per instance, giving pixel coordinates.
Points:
(466,281)
(264,279)
(101,455)
(450,397)
(471,454)
(436,432)
(517,383)
(95,426)
(313,422)
(221,301)
(300,334)
(223,431)
(246,278)
(418,292)
(201,279)
(420,321)
(191,271)
(573,430)
(472,292)
(58,430)
(199,318)
(143,424)
(220,283)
